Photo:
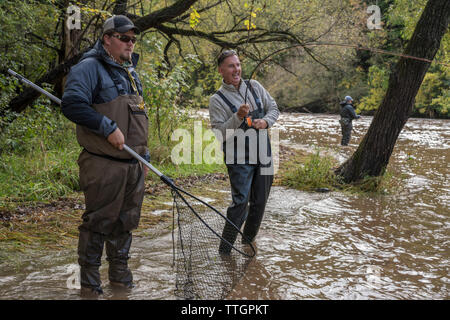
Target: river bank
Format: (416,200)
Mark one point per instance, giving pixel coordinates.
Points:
(28,228)
(311,245)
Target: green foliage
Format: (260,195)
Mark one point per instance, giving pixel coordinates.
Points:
(378,84)
(38,156)
(27,36)
(432,99)
(163,90)
(315,172)
(8,87)
(205,81)
(25,41)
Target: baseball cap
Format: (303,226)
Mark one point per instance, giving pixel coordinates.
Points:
(120,24)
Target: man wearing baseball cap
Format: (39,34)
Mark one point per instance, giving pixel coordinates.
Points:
(103,96)
(347,115)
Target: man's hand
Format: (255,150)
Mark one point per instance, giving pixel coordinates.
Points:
(116,139)
(259,124)
(243,111)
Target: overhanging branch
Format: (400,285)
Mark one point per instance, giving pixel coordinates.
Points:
(158,17)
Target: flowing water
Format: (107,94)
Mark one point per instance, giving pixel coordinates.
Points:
(311,245)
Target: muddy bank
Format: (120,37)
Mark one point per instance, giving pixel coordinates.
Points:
(29,228)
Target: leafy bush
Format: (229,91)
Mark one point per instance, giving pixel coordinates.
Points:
(38,155)
(163,90)
(316,172)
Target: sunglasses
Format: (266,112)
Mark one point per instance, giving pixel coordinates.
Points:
(125,38)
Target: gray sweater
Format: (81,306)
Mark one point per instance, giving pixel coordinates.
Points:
(225,121)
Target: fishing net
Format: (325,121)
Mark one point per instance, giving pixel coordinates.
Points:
(201,271)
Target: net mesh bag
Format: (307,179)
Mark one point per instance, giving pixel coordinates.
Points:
(202,272)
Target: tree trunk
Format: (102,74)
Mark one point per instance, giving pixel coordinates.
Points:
(71,41)
(372,156)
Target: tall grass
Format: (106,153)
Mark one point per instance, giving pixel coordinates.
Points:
(315,172)
(38,156)
(39,152)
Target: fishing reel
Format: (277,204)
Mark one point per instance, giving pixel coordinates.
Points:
(252,115)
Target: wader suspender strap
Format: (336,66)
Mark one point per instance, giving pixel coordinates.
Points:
(114,78)
(233,107)
(133,82)
(257,100)
(121,91)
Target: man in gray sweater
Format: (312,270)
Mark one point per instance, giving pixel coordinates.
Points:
(240,114)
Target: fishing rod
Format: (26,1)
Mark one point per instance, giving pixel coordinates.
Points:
(249,27)
(177,191)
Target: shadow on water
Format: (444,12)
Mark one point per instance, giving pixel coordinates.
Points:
(311,245)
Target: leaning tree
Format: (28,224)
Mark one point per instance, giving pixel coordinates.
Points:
(372,156)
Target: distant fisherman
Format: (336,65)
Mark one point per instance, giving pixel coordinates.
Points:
(347,115)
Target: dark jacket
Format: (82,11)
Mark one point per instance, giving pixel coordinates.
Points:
(90,83)
(348,111)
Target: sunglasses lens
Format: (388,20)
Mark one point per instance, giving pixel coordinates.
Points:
(127,39)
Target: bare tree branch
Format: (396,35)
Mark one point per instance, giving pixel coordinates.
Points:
(19,103)
(163,15)
(177,12)
(42,41)
(120,7)
(180,19)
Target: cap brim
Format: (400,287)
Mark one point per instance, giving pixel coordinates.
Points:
(126,28)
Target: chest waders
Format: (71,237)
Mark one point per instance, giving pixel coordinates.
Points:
(346,129)
(250,187)
(347,115)
(113,186)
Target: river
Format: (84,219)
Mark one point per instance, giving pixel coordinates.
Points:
(311,245)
